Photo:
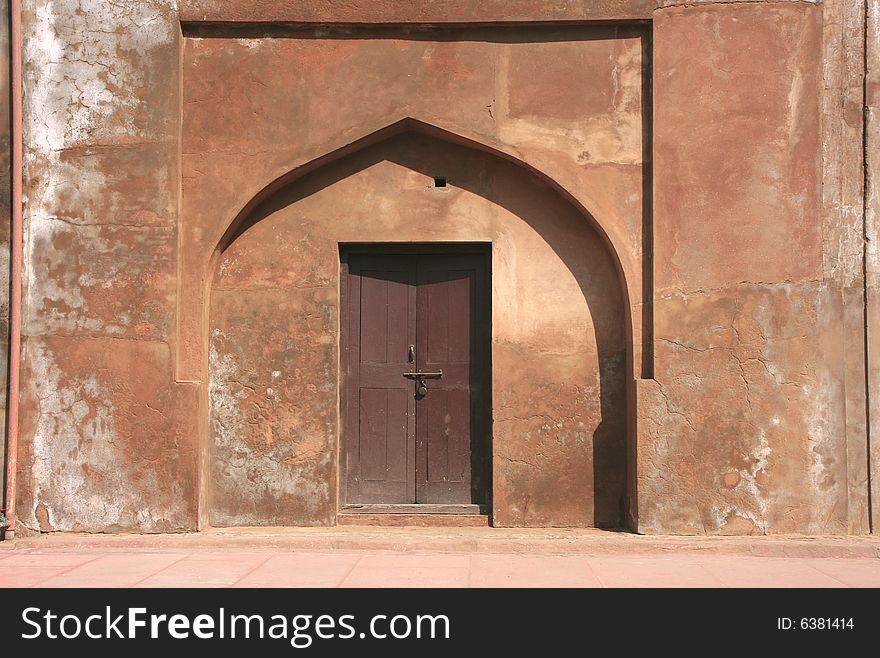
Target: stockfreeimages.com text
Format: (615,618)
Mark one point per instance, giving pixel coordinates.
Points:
(300,630)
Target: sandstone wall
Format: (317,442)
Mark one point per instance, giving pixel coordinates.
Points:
(712,159)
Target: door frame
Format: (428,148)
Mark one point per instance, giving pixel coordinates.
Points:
(347,249)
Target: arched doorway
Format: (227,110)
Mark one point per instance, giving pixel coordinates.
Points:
(559,338)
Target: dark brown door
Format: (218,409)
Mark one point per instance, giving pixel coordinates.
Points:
(417,368)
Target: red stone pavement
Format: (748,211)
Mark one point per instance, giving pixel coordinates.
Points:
(436,557)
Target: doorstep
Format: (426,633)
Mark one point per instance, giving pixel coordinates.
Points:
(417,520)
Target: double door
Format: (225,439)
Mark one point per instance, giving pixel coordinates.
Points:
(416,343)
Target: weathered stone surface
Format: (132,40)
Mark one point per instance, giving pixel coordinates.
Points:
(273,397)
(108,441)
(761,452)
(132,185)
(559,440)
(843,223)
(737,131)
(100,280)
(101,95)
(744,429)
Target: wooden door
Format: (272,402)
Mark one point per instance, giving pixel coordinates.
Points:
(406,316)
(380,417)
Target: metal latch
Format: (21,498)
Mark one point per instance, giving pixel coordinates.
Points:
(420,377)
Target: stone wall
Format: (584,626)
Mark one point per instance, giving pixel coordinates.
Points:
(108,438)
(712,159)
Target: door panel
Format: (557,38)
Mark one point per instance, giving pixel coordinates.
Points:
(381,408)
(447,294)
(448,437)
(446,297)
(402,447)
(384,439)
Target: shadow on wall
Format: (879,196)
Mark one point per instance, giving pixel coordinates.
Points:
(555,219)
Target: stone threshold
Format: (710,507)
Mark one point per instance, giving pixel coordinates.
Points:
(418,520)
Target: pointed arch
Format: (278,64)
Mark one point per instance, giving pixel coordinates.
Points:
(411,125)
(340,163)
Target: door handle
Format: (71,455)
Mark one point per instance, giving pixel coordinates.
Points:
(423,375)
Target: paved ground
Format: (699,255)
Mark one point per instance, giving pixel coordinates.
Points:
(466,557)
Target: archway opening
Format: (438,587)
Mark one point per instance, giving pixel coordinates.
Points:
(560,339)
